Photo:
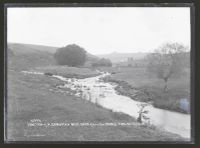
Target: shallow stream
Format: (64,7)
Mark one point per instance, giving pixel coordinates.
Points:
(96,91)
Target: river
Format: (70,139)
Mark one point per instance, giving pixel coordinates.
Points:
(96,91)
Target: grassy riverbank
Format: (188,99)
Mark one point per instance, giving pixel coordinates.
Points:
(68,72)
(137,84)
(36,97)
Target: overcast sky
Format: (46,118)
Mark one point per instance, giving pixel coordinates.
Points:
(98,29)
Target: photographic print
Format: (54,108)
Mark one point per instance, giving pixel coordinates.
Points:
(98,74)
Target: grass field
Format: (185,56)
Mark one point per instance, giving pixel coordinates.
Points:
(68,71)
(179,87)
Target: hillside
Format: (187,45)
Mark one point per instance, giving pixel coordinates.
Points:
(116,57)
(20,48)
(24,56)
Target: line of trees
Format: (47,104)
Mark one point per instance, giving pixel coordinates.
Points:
(102,62)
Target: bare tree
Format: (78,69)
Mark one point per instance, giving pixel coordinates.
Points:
(142,112)
(167,61)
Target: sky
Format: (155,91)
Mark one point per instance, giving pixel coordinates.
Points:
(100,30)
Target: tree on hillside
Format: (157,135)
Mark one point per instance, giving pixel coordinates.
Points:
(166,62)
(102,62)
(71,55)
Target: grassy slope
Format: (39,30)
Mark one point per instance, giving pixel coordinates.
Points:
(138,78)
(24,57)
(25,48)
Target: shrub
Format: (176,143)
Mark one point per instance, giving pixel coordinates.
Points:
(102,62)
(71,55)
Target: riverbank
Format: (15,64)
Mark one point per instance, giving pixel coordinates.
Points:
(37,97)
(136,84)
(68,72)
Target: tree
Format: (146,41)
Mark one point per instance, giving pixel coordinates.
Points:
(71,55)
(102,62)
(142,112)
(166,62)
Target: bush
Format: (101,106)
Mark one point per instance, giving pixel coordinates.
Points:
(71,55)
(102,62)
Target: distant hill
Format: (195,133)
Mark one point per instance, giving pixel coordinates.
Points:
(20,48)
(29,48)
(91,58)
(119,57)
(25,56)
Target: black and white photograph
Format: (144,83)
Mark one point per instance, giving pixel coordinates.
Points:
(98,74)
